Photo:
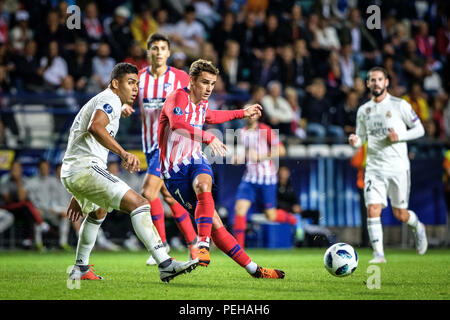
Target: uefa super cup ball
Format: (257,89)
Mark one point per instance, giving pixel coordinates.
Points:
(340,259)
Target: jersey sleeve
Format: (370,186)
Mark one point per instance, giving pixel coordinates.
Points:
(361,130)
(221,116)
(174,108)
(183,80)
(412,121)
(111,107)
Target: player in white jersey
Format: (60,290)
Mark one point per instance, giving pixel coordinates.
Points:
(96,191)
(387,122)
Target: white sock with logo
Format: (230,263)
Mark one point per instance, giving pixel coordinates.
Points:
(86,239)
(147,233)
(375,231)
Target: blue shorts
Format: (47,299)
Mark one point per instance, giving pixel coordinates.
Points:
(263,195)
(180,183)
(153,162)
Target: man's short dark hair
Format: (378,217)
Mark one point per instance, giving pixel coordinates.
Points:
(121,69)
(381,69)
(157,37)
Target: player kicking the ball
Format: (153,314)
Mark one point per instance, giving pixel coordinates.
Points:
(95,191)
(185,169)
(384,122)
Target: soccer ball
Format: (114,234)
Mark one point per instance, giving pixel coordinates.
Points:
(340,259)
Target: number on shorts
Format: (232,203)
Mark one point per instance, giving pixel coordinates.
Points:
(369,184)
(177,192)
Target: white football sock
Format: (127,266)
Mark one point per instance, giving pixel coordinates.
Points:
(251,267)
(37,234)
(376,235)
(64,225)
(86,240)
(147,233)
(413,221)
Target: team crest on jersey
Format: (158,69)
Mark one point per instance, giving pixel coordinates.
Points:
(167,86)
(108,108)
(177,111)
(367,110)
(388,114)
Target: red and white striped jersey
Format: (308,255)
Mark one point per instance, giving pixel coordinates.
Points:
(180,134)
(152,94)
(260,141)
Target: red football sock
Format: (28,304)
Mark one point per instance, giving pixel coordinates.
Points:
(157,211)
(228,244)
(204,216)
(183,221)
(240,224)
(285,217)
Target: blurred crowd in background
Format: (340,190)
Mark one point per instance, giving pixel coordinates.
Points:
(304,61)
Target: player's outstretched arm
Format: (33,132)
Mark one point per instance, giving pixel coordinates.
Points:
(97,128)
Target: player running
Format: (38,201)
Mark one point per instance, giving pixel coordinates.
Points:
(96,191)
(157,81)
(185,169)
(259,182)
(383,121)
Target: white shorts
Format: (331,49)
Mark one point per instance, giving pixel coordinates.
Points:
(379,186)
(94,187)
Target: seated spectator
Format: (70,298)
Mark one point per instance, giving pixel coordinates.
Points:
(206,12)
(364,47)
(327,36)
(443,41)
(52,30)
(53,67)
(272,33)
(297,125)
(297,22)
(143,25)
(92,26)
(102,65)
(14,198)
(208,52)
(266,68)
(136,56)
(179,61)
(27,66)
(42,189)
(164,26)
(414,66)
(287,65)
(118,33)
(246,31)
(317,112)
(189,34)
(350,108)
(416,99)
(232,68)
(303,66)
(277,109)
(348,67)
(224,30)
(21,33)
(80,67)
(438,115)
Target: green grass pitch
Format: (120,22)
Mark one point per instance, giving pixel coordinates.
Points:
(31,275)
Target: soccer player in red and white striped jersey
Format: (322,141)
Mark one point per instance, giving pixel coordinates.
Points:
(156,82)
(259,182)
(185,169)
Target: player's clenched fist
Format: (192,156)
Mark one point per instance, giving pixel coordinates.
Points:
(353,139)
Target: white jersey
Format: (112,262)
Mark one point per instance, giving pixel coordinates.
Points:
(82,147)
(373,123)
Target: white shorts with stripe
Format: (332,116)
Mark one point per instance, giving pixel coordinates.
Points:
(379,186)
(94,187)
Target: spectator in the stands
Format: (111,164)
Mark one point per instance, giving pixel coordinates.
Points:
(297,125)
(277,109)
(52,30)
(189,34)
(272,33)
(297,22)
(317,112)
(349,68)
(27,65)
(224,30)
(118,33)
(92,26)
(327,36)
(350,108)
(246,35)
(21,33)
(266,68)
(53,67)
(232,68)
(416,98)
(102,65)
(80,66)
(143,25)
(414,66)
(136,56)
(303,66)
(287,65)
(443,41)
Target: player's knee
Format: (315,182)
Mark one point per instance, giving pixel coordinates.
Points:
(149,194)
(98,214)
(373,211)
(203,187)
(401,214)
(141,201)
